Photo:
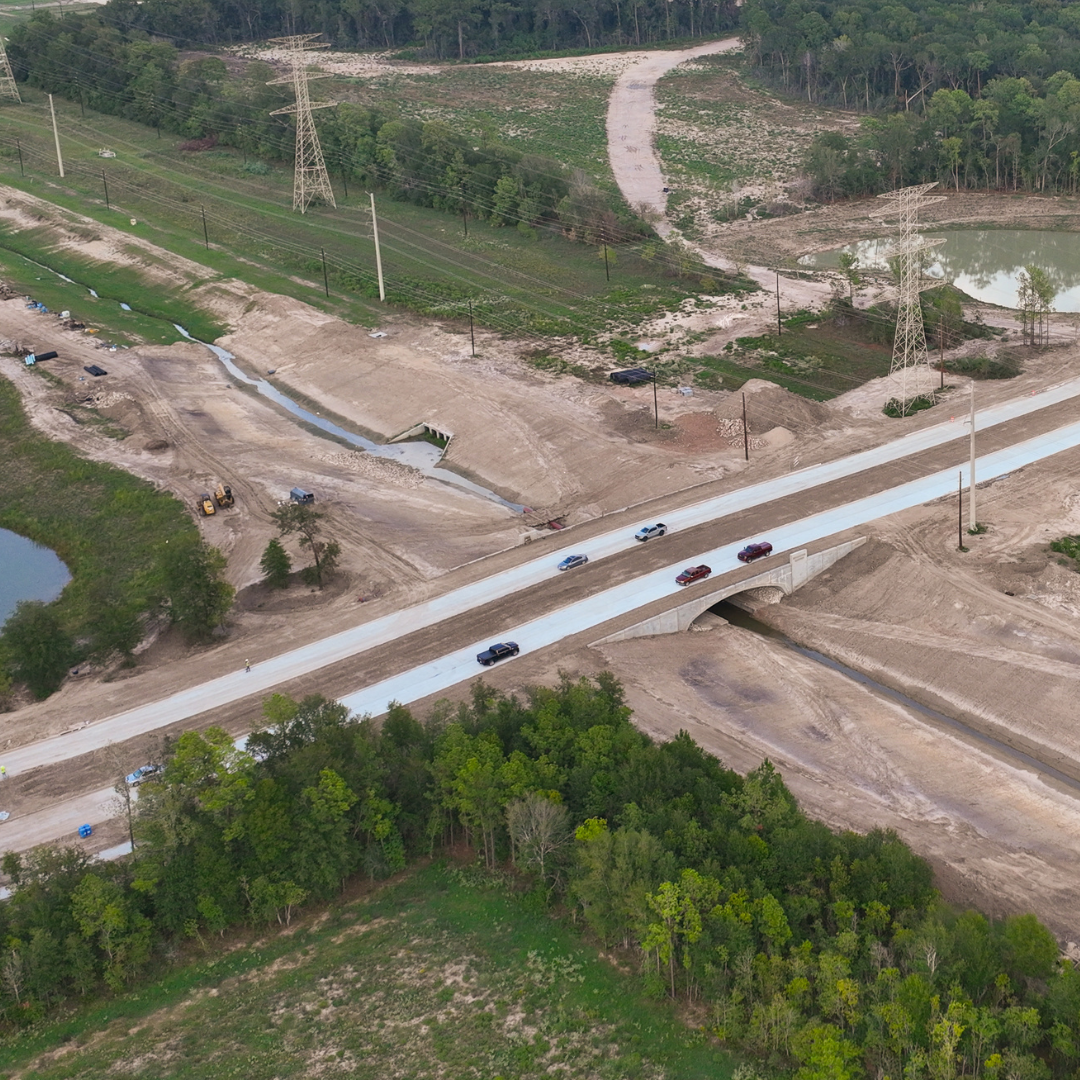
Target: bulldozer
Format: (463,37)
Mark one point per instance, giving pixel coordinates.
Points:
(224,495)
(206,505)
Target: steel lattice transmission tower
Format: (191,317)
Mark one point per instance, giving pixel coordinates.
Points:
(8,88)
(910,363)
(310,179)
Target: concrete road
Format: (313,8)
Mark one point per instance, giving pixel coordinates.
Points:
(277,670)
(420,682)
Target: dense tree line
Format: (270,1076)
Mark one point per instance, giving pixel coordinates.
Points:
(822,952)
(983,95)
(441,28)
(431,164)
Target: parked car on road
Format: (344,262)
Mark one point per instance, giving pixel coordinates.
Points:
(754,551)
(692,574)
(649,531)
(572,561)
(142,774)
(497,652)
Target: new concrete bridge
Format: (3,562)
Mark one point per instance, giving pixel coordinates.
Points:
(784,579)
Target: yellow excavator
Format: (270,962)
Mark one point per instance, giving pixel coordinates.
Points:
(224,495)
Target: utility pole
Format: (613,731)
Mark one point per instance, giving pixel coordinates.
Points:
(205,234)
(655,405)
(18,146)
(971,511)
(464,214)
(105,184)
(325,280)
(941,351)
(56,137)
(779,328)
(310,179)
(745,432)
(607,269)
(378,253)
(472,332)
(960,511)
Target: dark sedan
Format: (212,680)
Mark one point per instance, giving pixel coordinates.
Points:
(572,561)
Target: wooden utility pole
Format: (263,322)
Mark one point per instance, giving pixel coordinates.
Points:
(971,511)
(779,328)
(378,253)
(472,332)
(941,351)
(56,137)
(655,405)
(745,432)
(960,511)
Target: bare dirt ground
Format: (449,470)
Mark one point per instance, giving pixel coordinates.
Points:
(907,609)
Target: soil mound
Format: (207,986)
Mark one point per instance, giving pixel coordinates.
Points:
(769,406)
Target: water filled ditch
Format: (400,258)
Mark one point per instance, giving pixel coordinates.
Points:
(423,456)
(984,263)
(737,617)
(31,572)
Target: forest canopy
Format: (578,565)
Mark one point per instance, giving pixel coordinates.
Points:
(824,953)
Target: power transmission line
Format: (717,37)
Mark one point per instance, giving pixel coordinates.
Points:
(8,88)
(910,359)
(310,180)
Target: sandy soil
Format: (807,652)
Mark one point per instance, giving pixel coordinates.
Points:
(991,637)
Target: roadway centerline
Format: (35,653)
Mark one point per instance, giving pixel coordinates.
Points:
(274,671)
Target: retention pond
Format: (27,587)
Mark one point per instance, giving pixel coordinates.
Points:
(31,572)
(984,263)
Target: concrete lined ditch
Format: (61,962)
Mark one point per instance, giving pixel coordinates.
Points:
(421,455)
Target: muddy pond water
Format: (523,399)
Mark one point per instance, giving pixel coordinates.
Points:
(27,572)
(984,263)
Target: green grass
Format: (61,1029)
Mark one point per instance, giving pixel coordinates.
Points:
(916,404)
(525,109)
(22,265)
(446,973)
(104,523)
(818,363)
(519,285)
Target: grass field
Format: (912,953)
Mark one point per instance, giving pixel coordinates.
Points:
(815,359)
(444,974)
(525,109)
(528,287)
(103,522)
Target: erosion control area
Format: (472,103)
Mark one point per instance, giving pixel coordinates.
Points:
(989,636)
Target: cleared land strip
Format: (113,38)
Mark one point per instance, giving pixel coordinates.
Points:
(291,665)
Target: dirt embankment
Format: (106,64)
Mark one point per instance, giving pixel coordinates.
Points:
(990,636)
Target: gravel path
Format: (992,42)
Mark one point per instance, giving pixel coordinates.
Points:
(631,125)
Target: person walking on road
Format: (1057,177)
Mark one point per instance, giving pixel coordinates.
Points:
(3,772)
(247,665)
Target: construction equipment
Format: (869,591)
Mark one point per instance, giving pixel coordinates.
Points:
(206,505)
(224,495)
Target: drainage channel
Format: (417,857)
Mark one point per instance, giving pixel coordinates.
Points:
(737,617)
(422,456)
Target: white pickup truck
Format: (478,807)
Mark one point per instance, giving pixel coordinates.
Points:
(647,532)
